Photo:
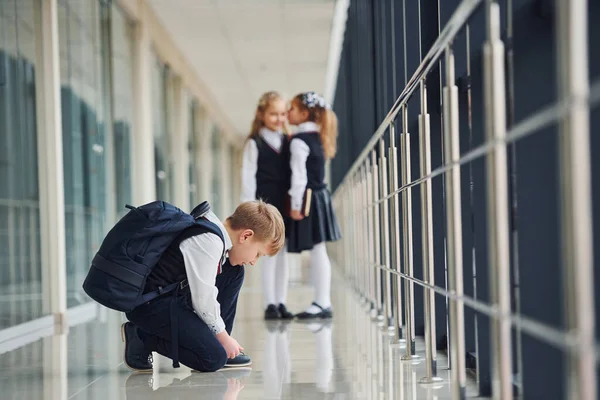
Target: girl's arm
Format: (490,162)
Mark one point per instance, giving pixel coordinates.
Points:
(249,168)
(299,152)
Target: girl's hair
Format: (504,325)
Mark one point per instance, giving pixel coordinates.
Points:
(320,113)
(263,104)
(264,219)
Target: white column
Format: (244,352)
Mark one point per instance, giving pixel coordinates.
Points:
(143,173)
(50,166)
(237,177)
(204,159)
(179,149)
(226,184)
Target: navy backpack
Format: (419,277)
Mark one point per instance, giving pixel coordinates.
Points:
(133,247)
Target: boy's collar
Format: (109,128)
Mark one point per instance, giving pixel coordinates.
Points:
(213,218)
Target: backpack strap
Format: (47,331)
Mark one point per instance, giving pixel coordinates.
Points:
(201,226)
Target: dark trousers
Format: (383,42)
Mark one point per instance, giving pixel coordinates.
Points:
(198,347)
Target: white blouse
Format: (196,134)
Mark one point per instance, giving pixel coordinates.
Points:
(202,257)
(299,152)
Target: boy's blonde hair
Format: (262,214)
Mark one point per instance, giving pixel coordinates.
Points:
(264,219)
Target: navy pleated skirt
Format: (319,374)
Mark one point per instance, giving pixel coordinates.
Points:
(320,226)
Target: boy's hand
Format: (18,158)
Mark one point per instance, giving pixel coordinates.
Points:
(231,346)
(296,215)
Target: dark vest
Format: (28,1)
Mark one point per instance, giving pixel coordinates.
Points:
(273,172)
(315,163)
(171,266)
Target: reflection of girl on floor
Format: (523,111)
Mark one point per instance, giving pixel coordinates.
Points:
(324,349)
(278,362)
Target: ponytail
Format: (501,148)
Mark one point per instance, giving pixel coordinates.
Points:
(320,113)
(328,132)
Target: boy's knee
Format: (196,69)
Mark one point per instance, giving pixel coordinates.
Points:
(214,362)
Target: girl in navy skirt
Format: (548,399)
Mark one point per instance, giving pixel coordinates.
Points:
(312,144)
(266,176)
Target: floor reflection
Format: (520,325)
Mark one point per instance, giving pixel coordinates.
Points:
(225,384)
(351,357)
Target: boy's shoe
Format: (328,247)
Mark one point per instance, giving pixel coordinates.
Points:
(284,313)
(135,355)
(323,313)
(272,312)
(241,360)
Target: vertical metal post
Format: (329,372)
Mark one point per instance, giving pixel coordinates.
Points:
(395,237)
(497,195)
(374,215)
(385,235)
(407,242)
(454,226)
(427,241)
(354,249)
(362,235)
(361,251)
(353,218)
(368,265)
(576,207)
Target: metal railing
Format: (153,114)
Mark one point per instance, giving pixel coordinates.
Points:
(377,254)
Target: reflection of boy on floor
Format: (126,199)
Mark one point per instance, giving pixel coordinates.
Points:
(225,384)
(194,324)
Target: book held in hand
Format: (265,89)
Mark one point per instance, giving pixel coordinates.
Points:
(306,203)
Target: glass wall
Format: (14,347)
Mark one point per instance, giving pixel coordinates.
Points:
(121,36)
(192,150)
(160,129)
(216,172)
(84,137)
(234,171)
(20,267)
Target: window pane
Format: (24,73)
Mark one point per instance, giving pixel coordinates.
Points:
(20,266)
(84,138)
(159,130)
(122,88)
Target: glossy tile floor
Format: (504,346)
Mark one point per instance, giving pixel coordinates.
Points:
(350,358)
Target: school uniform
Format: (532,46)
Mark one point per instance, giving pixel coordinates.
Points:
(265,169)
(183,325)
(307,160)
(266,176)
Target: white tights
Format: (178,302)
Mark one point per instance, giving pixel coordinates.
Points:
(275,278)
(321,277)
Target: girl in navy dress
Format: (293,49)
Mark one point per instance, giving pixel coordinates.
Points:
(312,144)
(266,176)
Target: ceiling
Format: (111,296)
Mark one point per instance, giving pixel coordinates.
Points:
(242,48)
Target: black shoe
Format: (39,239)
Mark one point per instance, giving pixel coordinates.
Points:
(323,314)
(241,360)
(271,312)
(284,313)
(135,355)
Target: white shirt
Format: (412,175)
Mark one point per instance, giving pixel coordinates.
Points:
(299,152)
(202,255)
(250,161)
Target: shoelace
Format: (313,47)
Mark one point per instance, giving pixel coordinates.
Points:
(150,358)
